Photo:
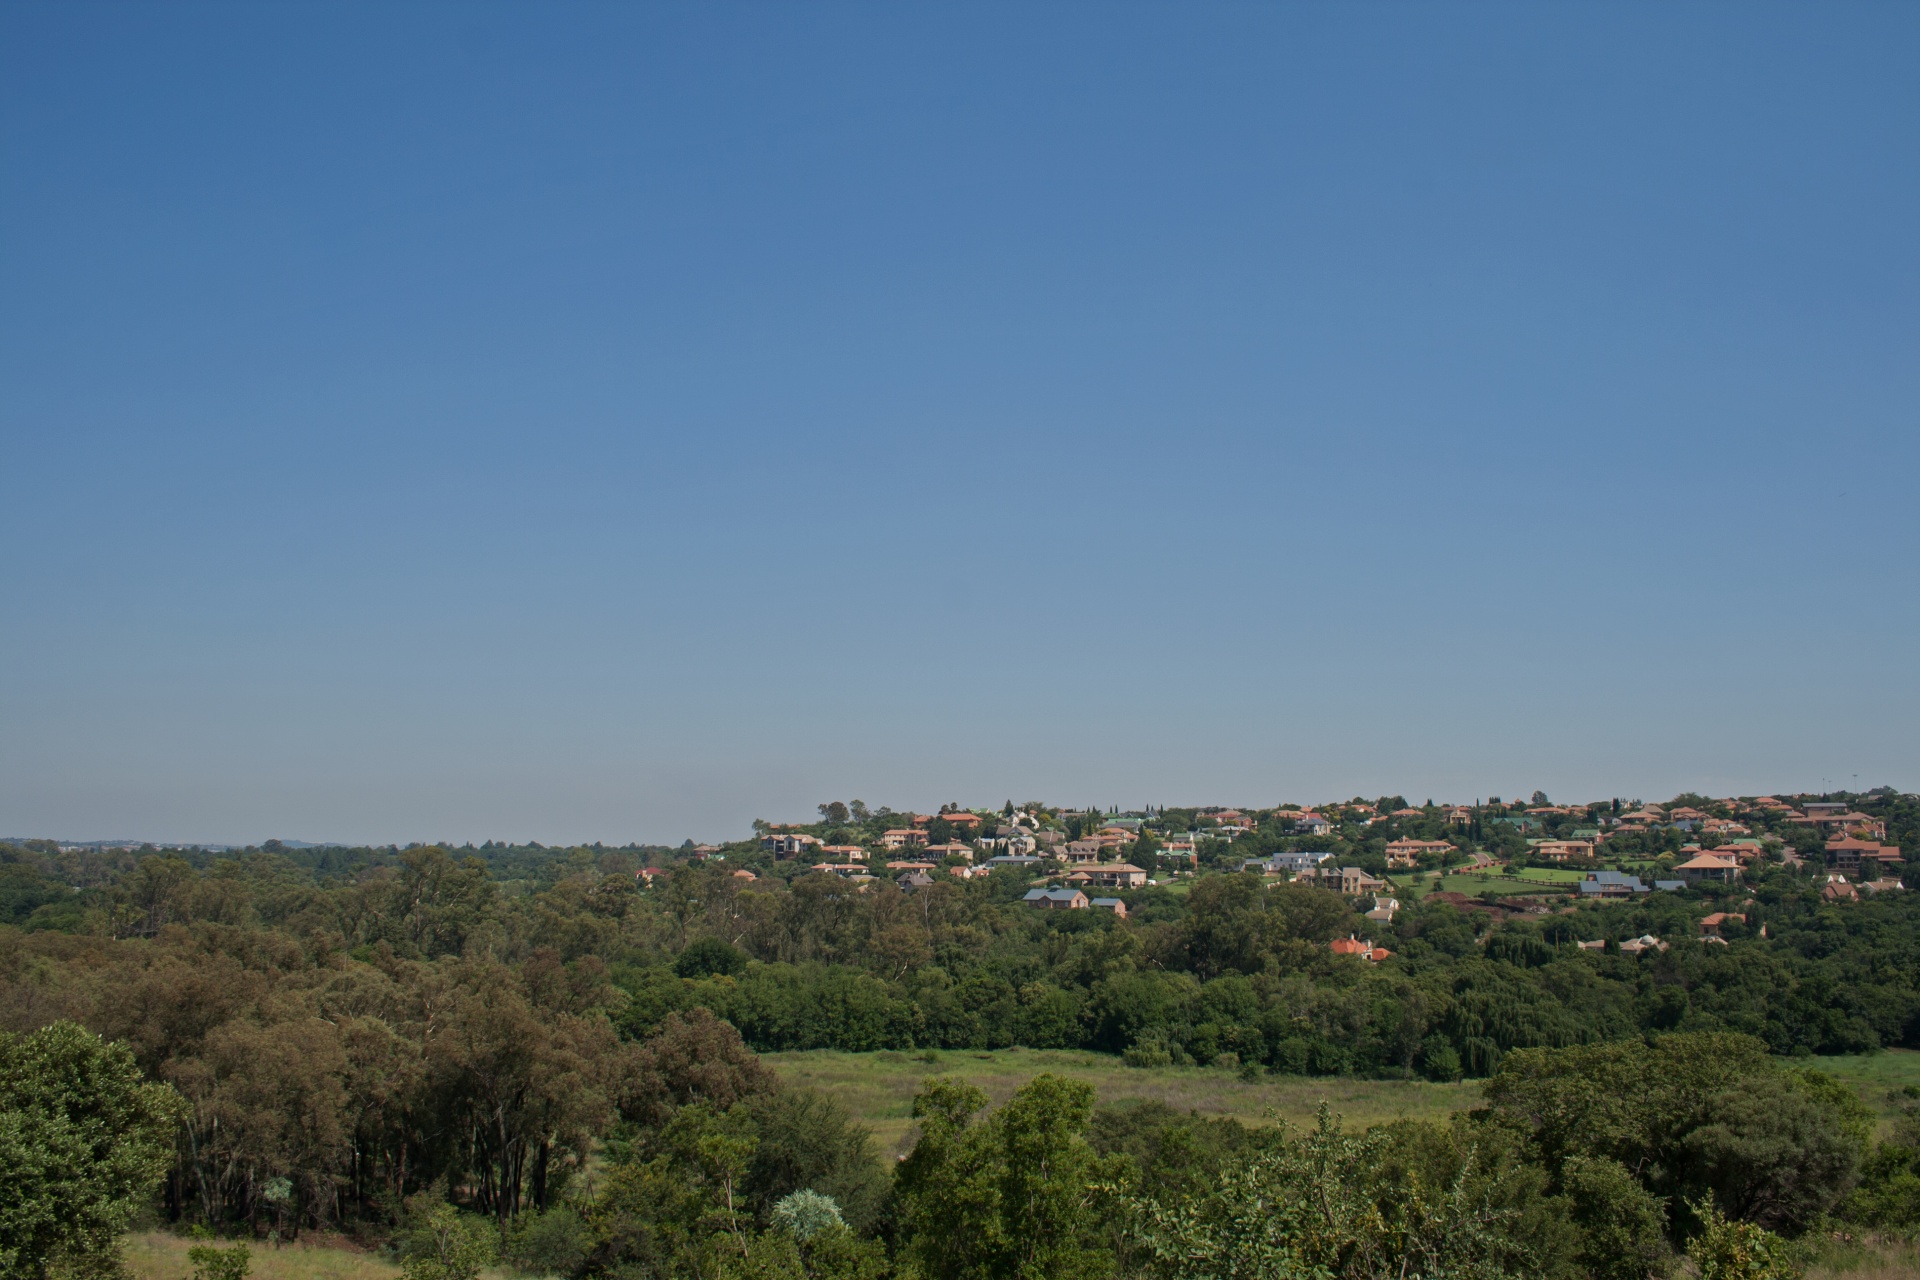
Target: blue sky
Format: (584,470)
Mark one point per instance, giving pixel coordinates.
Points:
(617,422)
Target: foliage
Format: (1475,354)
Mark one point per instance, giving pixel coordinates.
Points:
(441,1243)
(83,1142)
(1329,1203)
(1017,1192)
(1726,1249)
(210,1262)
(805,1214)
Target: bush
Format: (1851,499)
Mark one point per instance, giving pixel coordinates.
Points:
(708,956)
(1148,1053)
(213,1263)
(805,1214)
(1729,1250)
(552,1243)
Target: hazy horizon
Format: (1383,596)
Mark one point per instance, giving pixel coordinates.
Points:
(618,422)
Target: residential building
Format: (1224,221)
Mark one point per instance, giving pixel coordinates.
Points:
(951,849)
(790,844)
(1610,884)
(1088,850)
(847,852)
(1114,875)
(903,838)
(1114,905)
(1710,924)
(1707,867)
(915,880)
(1460,816)
(1352,946)
(1560,850)
(1639,946)
(1407,853)
(1057,899)
(1311,824)
(1285,863)
(1017,860)
(1856,857)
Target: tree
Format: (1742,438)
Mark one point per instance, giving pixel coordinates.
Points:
(1018,1194)
(83,1142)
(834,812)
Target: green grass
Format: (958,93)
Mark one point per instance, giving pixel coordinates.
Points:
(879,1087)
(155,1255)
(1874,1076)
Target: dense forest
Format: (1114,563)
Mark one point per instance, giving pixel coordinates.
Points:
(560,1055)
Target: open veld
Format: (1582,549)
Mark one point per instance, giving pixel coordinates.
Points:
(155,1255)
(879,1087)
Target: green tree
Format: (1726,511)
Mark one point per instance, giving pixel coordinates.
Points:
(1015,1194)
(84,1140)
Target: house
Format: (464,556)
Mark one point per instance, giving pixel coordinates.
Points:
(1115,875)
(842,869)
(1352,946)
(1017,860)
(745,875)
(1057,899)
(915,880)
(647,875)
(1644,943)
(1407,853)
(1311,824)
(1610,884)
(951,849)
(1669,886)
(1085,851)
(790,845)
(846,852)
(1859,824)
(910,866)
(1180,851)
(1285,863)
(1707,867)
(1879,886)
(1837,889)
(903,838)
(1351,881)
(1711,924)
(1459,816)
(1114,905)
(1560,850)
(1383,909)
(1855,857)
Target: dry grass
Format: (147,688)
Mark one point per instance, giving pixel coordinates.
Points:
(879,1087)
(1867,1260)
(155,1255)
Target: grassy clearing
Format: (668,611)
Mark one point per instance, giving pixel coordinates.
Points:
(155,1255)
(879,1087)
(1866,1260)
(1876,1075)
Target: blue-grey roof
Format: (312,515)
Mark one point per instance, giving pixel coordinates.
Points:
(1106,902)
(1669,885)
(1051,895)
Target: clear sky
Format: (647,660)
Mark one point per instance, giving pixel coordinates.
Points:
(615,422)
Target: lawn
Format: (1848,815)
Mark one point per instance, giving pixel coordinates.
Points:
(879,1087)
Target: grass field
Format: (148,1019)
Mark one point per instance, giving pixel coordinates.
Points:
(1876,1075)
(879,1087)
(155,1255)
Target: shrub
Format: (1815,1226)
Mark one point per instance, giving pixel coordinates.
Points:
(213,1263)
